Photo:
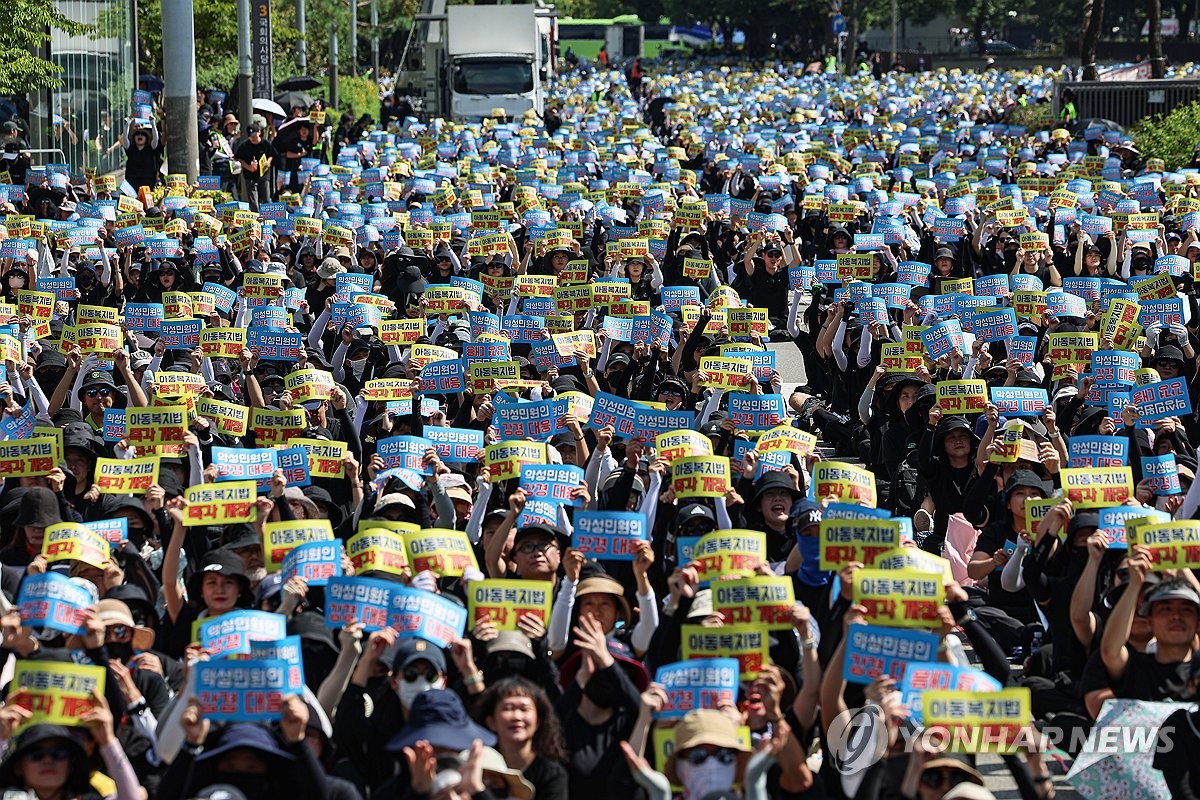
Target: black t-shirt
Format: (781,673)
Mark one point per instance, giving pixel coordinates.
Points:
(1177,753)
(769,291)
(1146,678)
(1016,604)
(249,151)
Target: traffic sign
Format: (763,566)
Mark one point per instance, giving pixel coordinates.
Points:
(839,23)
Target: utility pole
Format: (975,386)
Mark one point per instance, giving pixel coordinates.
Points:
(354,37)
(302,45)
(179,91)
(333,69)
(375,40)
(245,66)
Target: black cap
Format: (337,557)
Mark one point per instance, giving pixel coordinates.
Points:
(1027,478)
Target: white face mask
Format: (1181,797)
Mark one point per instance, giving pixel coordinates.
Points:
(711,776)
(408,690)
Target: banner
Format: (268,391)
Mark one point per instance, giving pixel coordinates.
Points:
(764,601)
(609,535)
(873,652)
(220,503)
(242,691)
(503,602)
(748,644)
(279,538)
(57,693)
(901,598)
(52,600)
(844,482)
(1097,487)
(74,541)
(862,540)
(700,476)
(697,684)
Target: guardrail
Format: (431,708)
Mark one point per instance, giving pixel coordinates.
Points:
(1126,102)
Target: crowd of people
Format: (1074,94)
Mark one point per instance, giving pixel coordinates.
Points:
(462,466)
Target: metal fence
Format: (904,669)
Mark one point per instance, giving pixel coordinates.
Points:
(1126,102)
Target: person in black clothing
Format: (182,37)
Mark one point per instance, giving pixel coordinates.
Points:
(255,154)
(944,458)
(143,154)
(766,279)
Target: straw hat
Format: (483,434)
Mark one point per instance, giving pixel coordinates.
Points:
(705,727)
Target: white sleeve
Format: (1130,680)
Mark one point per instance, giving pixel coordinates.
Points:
(559,632)
(647,623)
(864,348)
(839,352)
(723,521)
(1011,578)
(710,407)
(318,329)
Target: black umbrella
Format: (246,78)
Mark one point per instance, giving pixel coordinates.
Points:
(294,99)
(151,83)
(298,83)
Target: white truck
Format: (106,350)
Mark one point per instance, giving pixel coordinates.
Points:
(478,59)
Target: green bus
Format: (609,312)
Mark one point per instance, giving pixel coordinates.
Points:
(626,36)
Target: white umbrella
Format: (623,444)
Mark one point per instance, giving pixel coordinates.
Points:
(270,106)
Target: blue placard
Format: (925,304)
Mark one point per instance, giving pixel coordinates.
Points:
(1019,401)
(873,651)
(697,684)
(232,633)
(275,345)
(455,445)
(144,316)
(538,420)
(353,281)
(920,676)
(63,288)
(1167,312)
(404,452)
(129,237)
(941,338)
(1162,473)
(648,423)
(1163,399)
(246,464)
(294,463)
(114,424)
(242,691)
(52,600)
(289,650)
(20,426)
(365,600)
(554,483)
(1097,451)
(1022,348)
(994,326)
(523,328)
(757,412)
(223,296)
(674,298)
(620,412)
(443,377)
(425,615)
(609,535)
(113,530)
(1061,304)
(316,562)
(181,334)
(1112,522)
(894,295)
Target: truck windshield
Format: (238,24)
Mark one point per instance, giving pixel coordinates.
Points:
(493,76)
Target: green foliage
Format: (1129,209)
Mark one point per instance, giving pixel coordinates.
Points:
(26,27)
(357,96)
(1171,137)
(1035,117)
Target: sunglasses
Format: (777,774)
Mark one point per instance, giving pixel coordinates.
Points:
(936,778)
(671,392)
(412,674)
(119,632)
(698,756)
(60,753)
(102,392)
(529,548)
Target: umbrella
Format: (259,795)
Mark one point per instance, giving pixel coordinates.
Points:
(1103,771)
(151,83)
(298,83)
(294,99)
(269,106)
(1097,122)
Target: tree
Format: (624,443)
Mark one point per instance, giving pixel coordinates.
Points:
(26,29)
(1093,19)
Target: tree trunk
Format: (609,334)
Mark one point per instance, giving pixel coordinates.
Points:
(851,45)
(1158,65)
(1093,21)
(977,33)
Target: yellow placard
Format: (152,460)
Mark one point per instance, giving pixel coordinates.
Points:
(378,548)
(220,503)
(1172,545)
(749,644)
(903,598)
(325,459)
(73,541)
(844,482)
(178,384)
(1073,348)
(309,384)
(682,443)
(485,376)
(1158,287)
(785,437)
(230,418)
(33,457)
(856,266)
(57,692)
(735,552)
(864,540)
(567,343)
(177,305)
(962,397)
(105,314)
(700,476)
(272,427)
(1010,443)
(223,342)
(155,425)
(126,476)
(279,538)
(1097,487)
(401,331)
(262,285)
(978,722)
(505,459)
(726,373)
(503,602)
(100,338)
(760,601)
(384,389)
(442,550)
(423,354)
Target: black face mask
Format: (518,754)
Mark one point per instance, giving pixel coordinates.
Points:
(121,651)
(252,785)
(601,693)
